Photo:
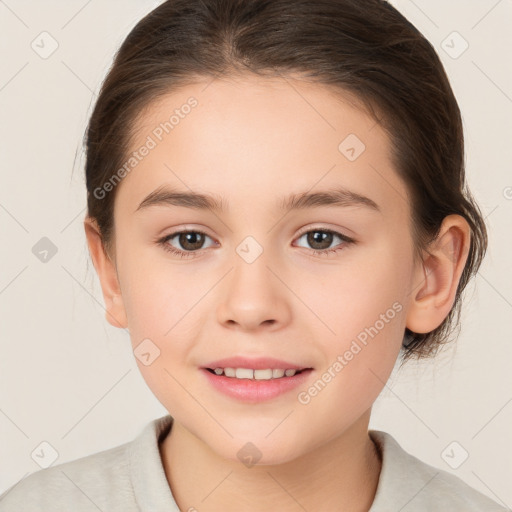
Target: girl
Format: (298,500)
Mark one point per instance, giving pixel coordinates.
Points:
(277,211)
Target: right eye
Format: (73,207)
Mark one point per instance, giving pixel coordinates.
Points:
(190,240)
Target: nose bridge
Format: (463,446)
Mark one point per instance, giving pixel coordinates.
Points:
(253,295)
(251,275)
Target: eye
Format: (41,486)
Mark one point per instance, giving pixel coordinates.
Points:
(323,238)
(190,241)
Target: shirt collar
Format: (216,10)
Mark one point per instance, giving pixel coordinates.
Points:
(147,474)
(398,483)
(401,479)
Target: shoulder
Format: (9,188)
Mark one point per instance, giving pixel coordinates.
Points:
(83,484)
(409,484)
(127,478)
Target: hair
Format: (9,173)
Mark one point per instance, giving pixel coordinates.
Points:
(362,48)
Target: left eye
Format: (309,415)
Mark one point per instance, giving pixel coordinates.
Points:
(324,238)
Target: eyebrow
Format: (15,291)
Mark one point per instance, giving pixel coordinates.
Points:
(341,197)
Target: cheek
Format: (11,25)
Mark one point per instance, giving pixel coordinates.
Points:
(161,305)
(358,360)
(161,309)
(159,298)
(367,289)
(362,308)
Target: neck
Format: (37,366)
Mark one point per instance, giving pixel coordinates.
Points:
(341,474)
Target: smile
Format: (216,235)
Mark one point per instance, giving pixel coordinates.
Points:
(249,373)
(256,385)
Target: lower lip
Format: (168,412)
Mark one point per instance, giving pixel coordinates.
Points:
(254,391)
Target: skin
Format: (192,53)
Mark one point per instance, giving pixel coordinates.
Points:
(283,136)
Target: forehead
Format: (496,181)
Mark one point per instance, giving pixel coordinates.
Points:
(263,137)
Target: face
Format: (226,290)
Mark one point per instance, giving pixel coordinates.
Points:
(323,286)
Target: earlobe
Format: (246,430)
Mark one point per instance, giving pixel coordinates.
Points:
(107,274)
(439,275)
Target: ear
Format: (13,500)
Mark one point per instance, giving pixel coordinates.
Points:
(107,273)
(437,277)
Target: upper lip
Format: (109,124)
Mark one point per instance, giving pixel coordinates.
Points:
(259,363)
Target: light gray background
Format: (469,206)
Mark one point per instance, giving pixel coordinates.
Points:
(67,377)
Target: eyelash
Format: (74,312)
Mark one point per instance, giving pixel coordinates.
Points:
(191,254)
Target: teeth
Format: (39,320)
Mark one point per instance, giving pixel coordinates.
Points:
(244,373)
(248,373)
(262,374)
(229,372)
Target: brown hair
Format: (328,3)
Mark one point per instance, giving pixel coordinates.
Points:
(364,47)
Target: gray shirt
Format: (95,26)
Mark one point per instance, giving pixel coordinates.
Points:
(131,478)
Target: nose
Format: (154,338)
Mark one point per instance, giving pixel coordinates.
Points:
(253,298)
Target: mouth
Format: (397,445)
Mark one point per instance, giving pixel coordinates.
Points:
(257,374)
(252,386)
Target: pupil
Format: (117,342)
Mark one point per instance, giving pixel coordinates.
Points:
(325,239)
(191,241)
